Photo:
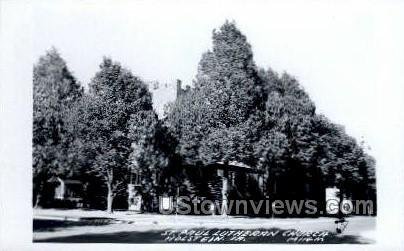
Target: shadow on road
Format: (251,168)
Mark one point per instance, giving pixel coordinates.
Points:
(40,225)
(158,237)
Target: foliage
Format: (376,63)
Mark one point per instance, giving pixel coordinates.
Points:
(212,120)
(101,123)
(238,112)
(234,112)
(55,90)
(151,151)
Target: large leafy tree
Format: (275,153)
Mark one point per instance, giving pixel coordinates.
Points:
(286,147)
(101,122)
(344,162)
(55,90)
(304,147)
(213,120)
(238,112)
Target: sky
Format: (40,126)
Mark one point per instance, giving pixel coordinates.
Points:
(332,48)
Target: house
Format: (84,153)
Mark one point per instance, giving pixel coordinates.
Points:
(67,192)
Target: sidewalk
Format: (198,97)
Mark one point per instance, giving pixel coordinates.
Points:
(159,221)
(176,220)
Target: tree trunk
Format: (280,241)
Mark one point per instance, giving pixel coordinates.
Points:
(110,199)
(38,197)
(37,200)
(224,192)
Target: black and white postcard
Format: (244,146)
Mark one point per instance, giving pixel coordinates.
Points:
(199,124)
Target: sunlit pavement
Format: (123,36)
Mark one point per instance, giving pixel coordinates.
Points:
(119,221)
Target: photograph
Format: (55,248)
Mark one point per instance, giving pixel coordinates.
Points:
(207,122)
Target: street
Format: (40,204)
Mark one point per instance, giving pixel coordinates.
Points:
(79,226)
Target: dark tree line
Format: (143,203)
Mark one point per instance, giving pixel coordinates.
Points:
(235,111)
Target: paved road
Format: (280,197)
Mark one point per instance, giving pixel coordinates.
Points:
(122,227)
